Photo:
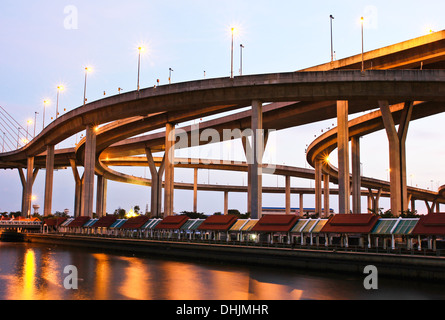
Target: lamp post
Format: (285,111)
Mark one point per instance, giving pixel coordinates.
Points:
(241,60)
(35,122)
(87,69)
(18,137)
(332,40)
(231,61)
(45,102)
(59,88)
(170,75)
(140,49)
(27,126)
(363,61)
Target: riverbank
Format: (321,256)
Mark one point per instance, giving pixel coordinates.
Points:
(391,265)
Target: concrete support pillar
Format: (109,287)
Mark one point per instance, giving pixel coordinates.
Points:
(89,164)
(195,190)
(28,192)
(369,203)
(78,189)
(318,186)
(169,183)
(257,146)
(301,205)
(49,180)
(356,176)
(343,157)
(226,202)
(288,204)
(101,196)
(248,154)
(326,195)
(23,181)
(156,184)
(375,200)
(413,204)
(397,157)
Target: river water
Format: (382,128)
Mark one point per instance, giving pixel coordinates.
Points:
(30,271)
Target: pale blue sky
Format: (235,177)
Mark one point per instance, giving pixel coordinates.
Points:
(38,52)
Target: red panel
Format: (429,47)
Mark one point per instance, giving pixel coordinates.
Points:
(431,224)
(276,223)
(79,222)
(135,223)
(218,223)
(54,221)
(105,222)
(350,223)
(172,222)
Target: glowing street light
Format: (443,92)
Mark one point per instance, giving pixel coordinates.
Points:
(231,68)
(241,59)
(27,125)
(87,69)
(140,49)
(45,102)
(59,88)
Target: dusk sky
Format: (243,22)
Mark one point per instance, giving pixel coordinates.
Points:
(46,43)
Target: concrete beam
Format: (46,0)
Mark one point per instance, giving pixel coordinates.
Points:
(397,155)
(49,178)
(255,178)
(170,140)
(343,157)
(326,193)
(356,176)
(90,162)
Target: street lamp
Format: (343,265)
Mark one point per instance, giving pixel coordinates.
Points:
(241,60)
(45,102)
(332,40)
(3,147)
(170,75)
(362,20)
(87,69)
(27,125)
(35,122)
(231,68)
(140,49)
(59,88)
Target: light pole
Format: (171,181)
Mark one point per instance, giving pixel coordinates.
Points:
(59,88)
(45,102)
(363,61)
(140,49)
(170,75)
(241,60)
(87,69)
(332,40)
(35,122)
(231,61)
(27,125)
(18,137)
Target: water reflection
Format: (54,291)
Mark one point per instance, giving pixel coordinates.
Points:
(35,272)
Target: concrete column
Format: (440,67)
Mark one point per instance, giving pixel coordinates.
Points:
(23,181)
(343,157)
(170,139)
(195,190)
(248,154)
(318,187)
(101,196)
(370,198)
(156,184)
(397,156)
(78,188)
(89,164)
(226,202)
(288,204)
(29,182)
(413,204)
(301,205)
(326,195)
(49,180)
(356,178)
(255,178)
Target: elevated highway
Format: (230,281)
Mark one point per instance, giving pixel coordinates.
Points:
(277,101)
